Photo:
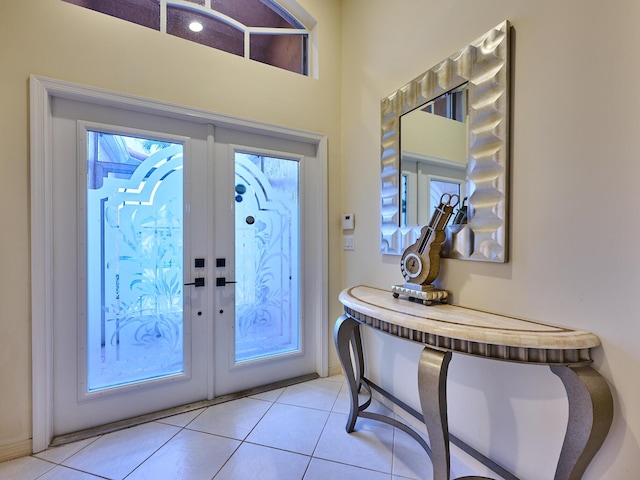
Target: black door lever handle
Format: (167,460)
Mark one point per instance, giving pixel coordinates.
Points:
(221,282)
(199,282)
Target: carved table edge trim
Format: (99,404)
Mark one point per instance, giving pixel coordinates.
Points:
(540,356)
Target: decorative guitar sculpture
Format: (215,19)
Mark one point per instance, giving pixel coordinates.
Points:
(420,263)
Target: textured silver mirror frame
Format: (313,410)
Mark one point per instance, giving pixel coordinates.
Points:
(485,65)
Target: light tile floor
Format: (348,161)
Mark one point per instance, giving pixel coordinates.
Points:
(290,433)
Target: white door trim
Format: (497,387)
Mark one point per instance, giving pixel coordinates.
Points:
(42,90)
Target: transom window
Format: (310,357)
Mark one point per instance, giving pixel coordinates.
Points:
(261,30)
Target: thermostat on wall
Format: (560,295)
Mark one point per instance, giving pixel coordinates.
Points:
(348,221)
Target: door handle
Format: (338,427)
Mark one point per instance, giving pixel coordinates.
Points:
(222,281)
(198,282)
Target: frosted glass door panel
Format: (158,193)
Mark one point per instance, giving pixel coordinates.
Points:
(134,215)
(267,255)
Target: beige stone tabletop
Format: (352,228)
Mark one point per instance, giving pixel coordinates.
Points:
(464,323)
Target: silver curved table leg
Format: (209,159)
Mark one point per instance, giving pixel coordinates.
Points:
(590,417)
(346,334)
(432,388)
(348,339)
(356,343)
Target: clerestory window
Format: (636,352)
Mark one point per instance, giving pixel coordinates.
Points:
(261,30)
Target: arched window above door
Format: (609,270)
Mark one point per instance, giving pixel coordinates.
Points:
(261,30)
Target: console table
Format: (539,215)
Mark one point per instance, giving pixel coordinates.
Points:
(448,329)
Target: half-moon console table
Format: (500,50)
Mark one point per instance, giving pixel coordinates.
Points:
(447,329)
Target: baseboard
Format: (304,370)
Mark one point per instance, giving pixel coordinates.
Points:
(335,370)
(15,450)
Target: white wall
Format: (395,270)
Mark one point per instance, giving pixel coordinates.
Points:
(59,40)
(430,134)
(574,212)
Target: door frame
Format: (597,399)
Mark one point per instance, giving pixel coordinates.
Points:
(42,90)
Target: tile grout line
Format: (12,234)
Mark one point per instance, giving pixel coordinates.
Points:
(276,400)
(244,440)
(156,450)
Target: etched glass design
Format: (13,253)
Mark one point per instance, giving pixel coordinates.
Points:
(267,255)
(134,215)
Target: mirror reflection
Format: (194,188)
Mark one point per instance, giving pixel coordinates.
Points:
(473,164)
(434,153)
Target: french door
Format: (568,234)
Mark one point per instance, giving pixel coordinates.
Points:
(178,262)
(268,242)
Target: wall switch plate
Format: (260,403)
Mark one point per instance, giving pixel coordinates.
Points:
(348,242)
(348,221)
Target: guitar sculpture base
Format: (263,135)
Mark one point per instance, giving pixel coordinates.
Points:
(425,294)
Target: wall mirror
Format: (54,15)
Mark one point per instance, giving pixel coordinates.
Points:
(447,131)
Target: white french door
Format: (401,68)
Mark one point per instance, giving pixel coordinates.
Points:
(265,315)
(181,262)
(127,339)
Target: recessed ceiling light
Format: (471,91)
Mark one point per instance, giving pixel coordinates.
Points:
(195,26)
